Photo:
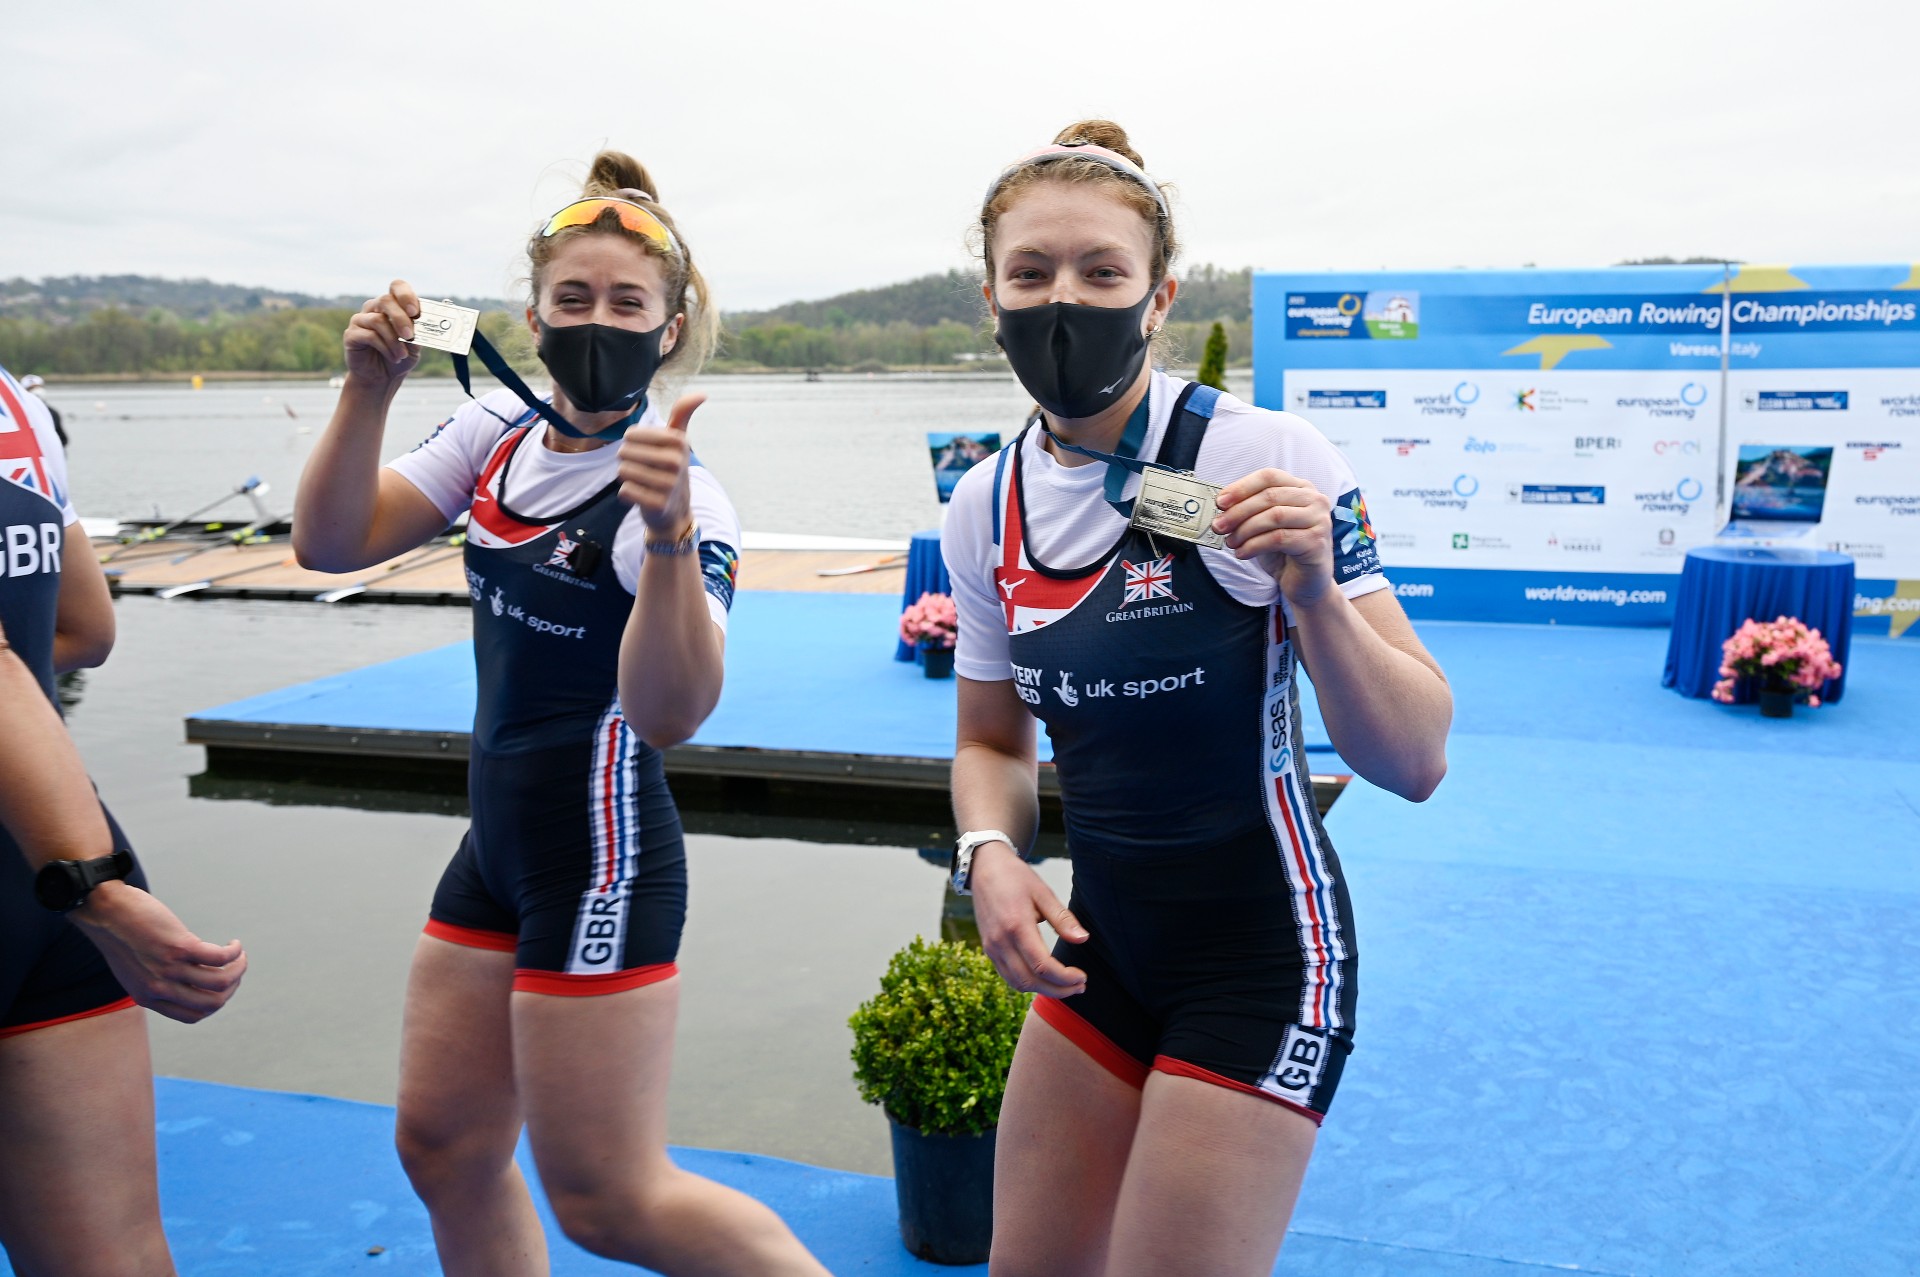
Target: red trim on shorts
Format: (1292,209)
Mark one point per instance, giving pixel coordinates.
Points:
(1097,1045)
(471,937)
(560,984)
(1180,1068)
(18,1029)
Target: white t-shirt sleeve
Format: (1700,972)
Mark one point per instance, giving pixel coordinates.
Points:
(54,458)
(966,544)
(719,551)
(1293,444)
(447,463)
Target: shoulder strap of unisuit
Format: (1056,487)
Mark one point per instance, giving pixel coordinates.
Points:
(1000,481)
(1187,425)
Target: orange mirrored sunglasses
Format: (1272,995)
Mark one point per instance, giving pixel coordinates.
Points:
(632,216)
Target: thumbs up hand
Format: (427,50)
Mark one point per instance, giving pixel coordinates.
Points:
(654,461)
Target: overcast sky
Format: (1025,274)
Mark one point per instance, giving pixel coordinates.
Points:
(811,148)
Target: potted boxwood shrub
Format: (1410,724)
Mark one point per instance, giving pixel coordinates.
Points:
(933,1048)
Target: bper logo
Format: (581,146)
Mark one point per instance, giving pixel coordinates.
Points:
(1595,443)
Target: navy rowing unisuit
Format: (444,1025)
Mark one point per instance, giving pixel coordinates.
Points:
(1222,943)
(574,861)
(49,972)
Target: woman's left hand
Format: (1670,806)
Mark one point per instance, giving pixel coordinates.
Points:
(654,461)
(1273,512)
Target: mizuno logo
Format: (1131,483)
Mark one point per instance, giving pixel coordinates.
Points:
(1011,586)
(1107,390)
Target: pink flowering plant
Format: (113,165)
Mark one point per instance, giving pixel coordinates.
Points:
(1784,655)
(932,621)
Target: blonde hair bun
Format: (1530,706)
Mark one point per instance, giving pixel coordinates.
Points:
(613,172)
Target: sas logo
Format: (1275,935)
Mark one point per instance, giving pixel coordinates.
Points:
(1145,581)
(1323,399)
(1355,544)
(1794,401)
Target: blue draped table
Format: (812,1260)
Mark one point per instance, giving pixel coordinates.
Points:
(926,574)
(1722,586)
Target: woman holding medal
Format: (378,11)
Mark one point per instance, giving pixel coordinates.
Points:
(600,557)
(1140,570)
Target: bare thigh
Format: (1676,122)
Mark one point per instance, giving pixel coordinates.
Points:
(1210,1184)
(460,1117)
(77,1181)
(593,1074)
(1066,1126)
(456,1050)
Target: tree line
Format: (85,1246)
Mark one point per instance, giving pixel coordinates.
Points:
(938,321)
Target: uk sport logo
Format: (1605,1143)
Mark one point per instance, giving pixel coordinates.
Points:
(1150,580)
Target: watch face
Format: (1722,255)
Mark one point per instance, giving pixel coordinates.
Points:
(57,886)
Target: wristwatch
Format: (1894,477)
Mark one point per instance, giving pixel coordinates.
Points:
(64,885)
(963,856)
(685,545)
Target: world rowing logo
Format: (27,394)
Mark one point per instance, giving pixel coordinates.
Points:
(1150,580)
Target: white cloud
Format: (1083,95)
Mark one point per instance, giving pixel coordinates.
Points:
(809,149)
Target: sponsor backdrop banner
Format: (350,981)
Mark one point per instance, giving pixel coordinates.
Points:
(1547,445)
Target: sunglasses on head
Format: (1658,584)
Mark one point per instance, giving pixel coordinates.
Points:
(632,216)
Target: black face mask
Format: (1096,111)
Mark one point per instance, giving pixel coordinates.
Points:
(601,368)
(1076,361)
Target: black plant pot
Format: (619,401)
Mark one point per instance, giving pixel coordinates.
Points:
(938,661)
(945,1187)
(1775,704)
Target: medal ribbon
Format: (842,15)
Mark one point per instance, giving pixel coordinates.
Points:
(1119,464)
(501,369)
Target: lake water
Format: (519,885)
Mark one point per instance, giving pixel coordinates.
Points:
(843,456)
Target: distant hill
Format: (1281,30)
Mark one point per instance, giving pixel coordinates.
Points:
(1206,293)
(63,299)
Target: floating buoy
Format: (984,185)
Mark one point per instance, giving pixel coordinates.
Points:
(199,382)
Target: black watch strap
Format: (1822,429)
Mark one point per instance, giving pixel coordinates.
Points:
(64,885)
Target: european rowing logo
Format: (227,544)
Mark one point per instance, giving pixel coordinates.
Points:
(1150,580)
